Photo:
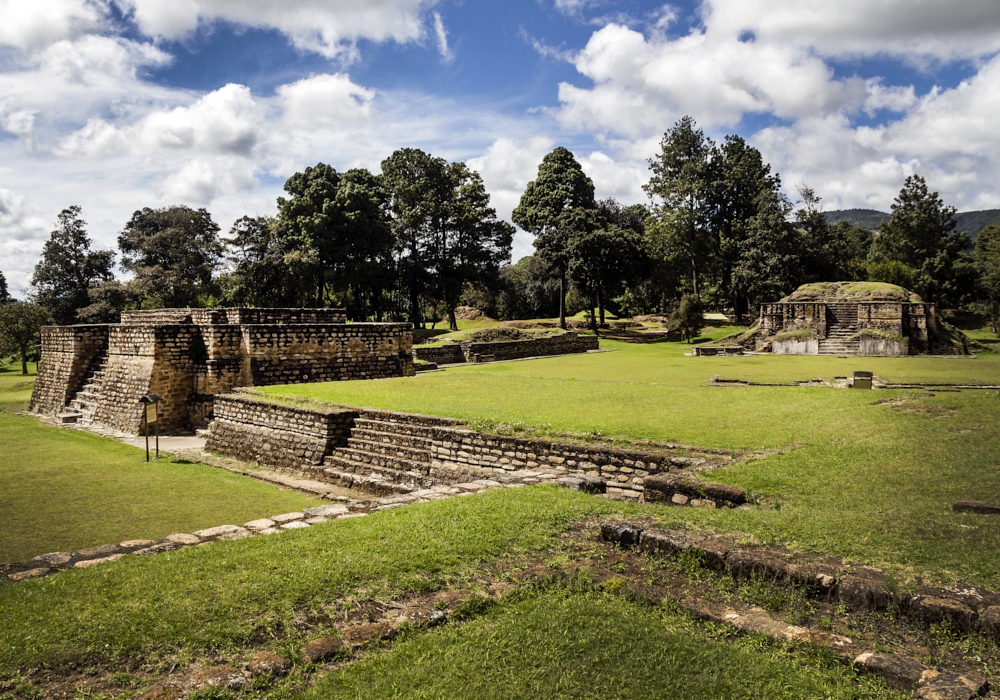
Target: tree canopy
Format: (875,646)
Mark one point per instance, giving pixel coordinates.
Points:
(20,329)
(68,269)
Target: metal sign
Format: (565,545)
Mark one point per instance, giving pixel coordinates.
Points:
(150,413)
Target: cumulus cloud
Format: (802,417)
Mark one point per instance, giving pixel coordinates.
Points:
(328,28)
(325,100)
(32,26)
(203,179)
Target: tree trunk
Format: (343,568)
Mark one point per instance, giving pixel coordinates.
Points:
(694,276)
(593,311)
(24,361)
(562,298)
(600,307)
(452,321)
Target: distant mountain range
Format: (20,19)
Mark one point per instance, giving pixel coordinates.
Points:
(970,221)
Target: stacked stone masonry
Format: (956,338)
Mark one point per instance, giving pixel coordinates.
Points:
(100,372)
(384,452)
(565,344)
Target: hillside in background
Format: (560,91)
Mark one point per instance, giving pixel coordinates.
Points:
(971,221)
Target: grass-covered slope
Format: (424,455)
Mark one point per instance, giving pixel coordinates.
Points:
(63,489)
(865,475)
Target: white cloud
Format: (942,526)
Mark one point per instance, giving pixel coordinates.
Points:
(83,60)
(441,34)
(325,100)
(203,179)
(31,25)
(329,28)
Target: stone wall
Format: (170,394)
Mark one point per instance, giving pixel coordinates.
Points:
(275,435)
(187,356)
(441,355)
(70,352)
(795,347)
(779,317)
(565,344)
(251,429)
(882,347)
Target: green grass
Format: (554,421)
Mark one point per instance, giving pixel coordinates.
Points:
(855,477)
(222,596)
(62,489)
(586,644)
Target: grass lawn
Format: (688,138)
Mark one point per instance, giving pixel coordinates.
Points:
(558,642)
(865,475)
(617,649)
(62,489)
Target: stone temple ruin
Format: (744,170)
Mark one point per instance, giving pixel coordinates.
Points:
(98,373)
(851,318)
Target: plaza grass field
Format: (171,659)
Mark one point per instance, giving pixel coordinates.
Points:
(867,475)
(62,490)
(558,642)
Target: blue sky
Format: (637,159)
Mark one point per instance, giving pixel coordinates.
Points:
(119,104)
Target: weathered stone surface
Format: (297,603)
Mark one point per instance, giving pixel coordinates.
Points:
(101,550)
(978,507)
(898,671)
(225,677)
(53,559)
(182,538)
(258,525)
(295,525)
(865,592)
(87,563)
(215,533)
(622,533)
(949,685)
(584,482)
(933,609)
(322,649)
(421,616)
(759,622)
(365,634)
(679,499)
(266,662)
(317,520)
(135,544)
(287,518)
(157,548)
(989,621)
(747,563)
(663,542)
(331,511)
(30,573)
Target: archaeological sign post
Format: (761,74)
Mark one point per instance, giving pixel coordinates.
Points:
(150,401)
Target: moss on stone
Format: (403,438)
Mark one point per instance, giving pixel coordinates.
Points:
(851,291)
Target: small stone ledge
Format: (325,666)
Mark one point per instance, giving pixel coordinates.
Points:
(861,588)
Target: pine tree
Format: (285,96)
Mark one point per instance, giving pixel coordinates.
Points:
(69,269)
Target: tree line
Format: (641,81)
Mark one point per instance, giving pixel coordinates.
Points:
(419,239)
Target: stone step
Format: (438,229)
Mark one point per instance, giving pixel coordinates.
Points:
(416,441)
(68,418)
(391,449)
(396,428)
(351,458)
(386,474)
(366,484)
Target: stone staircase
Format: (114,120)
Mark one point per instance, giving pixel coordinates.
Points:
(842,322)
(84,405)
(384,456)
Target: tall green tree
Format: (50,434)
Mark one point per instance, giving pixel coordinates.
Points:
(527,290)
(69,268)
(447,235)
(5,297)
(172,253)
(920,233)
(770,262)
(987,256)
(832,252)
(335,228)
(681,189)
(20,329)
(739,179)
(261,275)
(561,186)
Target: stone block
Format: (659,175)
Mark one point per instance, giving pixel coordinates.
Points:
(330,511)
(294,525)
(260,524)
(266,662)
(933,609)
(221,677)
(220,532)
(182,538)
(322,649)
(898,671)
(623,533)
(87,563)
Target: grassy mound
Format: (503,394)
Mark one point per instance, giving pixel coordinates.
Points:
(851,291)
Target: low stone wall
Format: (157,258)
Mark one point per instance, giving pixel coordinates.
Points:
(441,355)
(795,347)
(233,316)
(455,454)
(565,344)
(69,354)
(881,347)
(273,435)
